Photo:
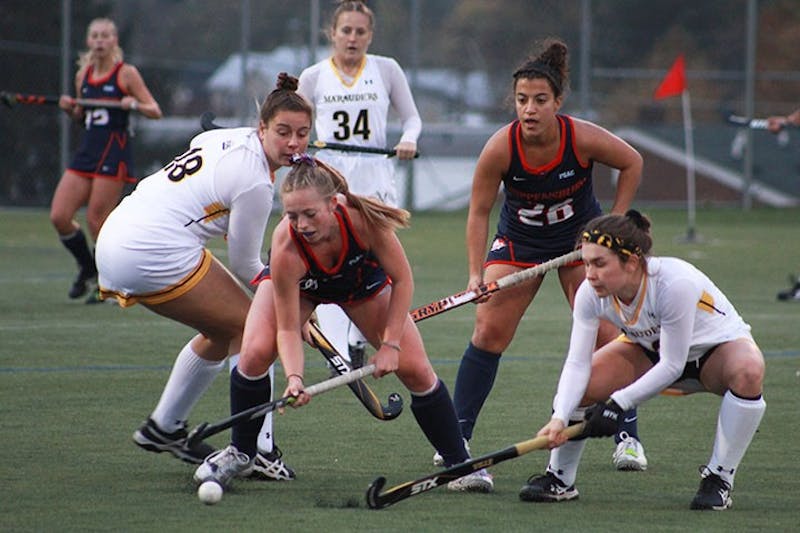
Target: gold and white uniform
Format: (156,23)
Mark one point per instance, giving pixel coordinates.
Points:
(678,313)
(355,111)
(152,246)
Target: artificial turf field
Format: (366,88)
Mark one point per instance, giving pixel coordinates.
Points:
(77,380)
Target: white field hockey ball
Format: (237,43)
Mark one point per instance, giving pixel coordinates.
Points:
(209,492)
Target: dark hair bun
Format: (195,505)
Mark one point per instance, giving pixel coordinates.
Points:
(286,82)
(639,220)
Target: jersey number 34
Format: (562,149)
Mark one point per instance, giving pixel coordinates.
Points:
(360,126)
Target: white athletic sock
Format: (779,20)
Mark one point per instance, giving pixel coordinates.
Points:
(565,459)
(335,324)
(265,441)
(189,379)
(737,423)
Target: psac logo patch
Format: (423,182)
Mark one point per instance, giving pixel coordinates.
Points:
(567,174)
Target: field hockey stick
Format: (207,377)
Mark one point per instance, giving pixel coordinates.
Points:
(322,145)
(457,300)
(11,99)
(205,430)
(754,123)
(362,391)
(207,123)
(378,500)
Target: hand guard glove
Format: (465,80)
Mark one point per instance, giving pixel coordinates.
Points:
(602,419)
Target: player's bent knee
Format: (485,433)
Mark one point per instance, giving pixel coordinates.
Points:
(748,381)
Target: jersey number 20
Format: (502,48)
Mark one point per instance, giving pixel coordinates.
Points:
(360,125)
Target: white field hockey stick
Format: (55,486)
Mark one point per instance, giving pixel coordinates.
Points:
(11,99)
(205,430)
(461,298)
(378,500)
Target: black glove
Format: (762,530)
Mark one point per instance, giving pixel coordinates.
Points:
(602,419)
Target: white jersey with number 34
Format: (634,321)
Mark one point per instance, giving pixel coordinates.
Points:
(351,111)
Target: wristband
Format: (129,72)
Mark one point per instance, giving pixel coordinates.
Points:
(392,345)
(298,376)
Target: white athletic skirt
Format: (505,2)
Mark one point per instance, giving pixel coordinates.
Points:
(137,264)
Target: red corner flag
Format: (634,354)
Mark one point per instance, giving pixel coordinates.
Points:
(674,83)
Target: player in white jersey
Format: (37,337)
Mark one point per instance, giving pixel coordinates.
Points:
(152,251)
(352,92)
(679,330)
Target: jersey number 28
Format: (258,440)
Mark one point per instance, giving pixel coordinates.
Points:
(360,125)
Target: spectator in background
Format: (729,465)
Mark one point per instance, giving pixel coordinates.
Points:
(776,124)
(103,164)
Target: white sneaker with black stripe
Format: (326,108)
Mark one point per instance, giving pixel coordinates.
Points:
(269,466)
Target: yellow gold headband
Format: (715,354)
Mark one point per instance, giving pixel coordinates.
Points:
(613,243)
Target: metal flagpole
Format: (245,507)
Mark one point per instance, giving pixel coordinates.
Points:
(66,52)
(688,136)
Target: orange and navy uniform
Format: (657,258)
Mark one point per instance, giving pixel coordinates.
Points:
(545,207)
(356,276)
(105,150)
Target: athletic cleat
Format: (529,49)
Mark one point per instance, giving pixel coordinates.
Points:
(154,439)
(547,488)
(714,493)
(438,460)
(478,481)
(81,284)
(792,293)
(222,466)
(94,296)
(270,467)
(629,454)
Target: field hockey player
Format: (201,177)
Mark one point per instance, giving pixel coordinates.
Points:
(333,246)
(679,330)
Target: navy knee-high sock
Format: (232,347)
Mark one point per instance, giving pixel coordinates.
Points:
(246,393)
(437,419)
(473,384)
(79,248)
(629,425)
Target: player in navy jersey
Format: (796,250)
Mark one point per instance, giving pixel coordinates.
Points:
(337,247)
(544,162)
(99,170)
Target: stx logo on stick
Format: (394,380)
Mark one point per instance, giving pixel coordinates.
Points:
(425,485)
